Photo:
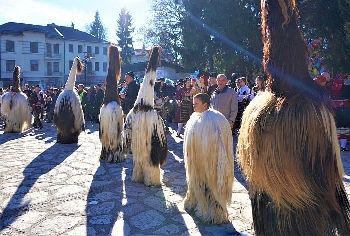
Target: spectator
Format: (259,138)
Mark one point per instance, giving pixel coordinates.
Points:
(131,92)
(27,90)
(36,101)
(259,85)
(224,99)
(183,99)
(98,102)
(83,97)
(213,84)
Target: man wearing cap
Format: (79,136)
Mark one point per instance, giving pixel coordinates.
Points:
(36,101)
(130,94)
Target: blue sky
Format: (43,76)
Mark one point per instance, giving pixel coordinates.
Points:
(80,12)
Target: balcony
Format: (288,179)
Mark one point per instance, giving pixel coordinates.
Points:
(53,56)
(53,74)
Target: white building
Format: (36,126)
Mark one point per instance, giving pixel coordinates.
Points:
(45,54)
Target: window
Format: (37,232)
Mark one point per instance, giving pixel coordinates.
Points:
(49,68)
(97,66)
(104,50)
(10,65)
(104,66)
(88,49)
(10,46)
(70,63)
(70,47)
(97,50)
(80,48)
(56,48)
(56,67)
(48,49)
(34,65)
(34,48)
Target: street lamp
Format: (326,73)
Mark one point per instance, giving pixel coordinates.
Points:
(87,59)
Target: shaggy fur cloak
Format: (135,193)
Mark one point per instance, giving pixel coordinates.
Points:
(144,130)
(68,113)
(208,153)
(15,107)
(111,114)
(288,147)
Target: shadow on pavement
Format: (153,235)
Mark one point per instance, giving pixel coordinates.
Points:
(39,166)
(6,137)
(105,198)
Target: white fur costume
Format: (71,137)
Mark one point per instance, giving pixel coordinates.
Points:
(68,113)
(144,128)
(208,153)
(15,108)
(111,114)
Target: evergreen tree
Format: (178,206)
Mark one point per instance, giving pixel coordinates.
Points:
(123,33)
(96,28)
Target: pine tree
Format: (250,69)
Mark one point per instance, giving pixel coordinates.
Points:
(96,28)
(123,33)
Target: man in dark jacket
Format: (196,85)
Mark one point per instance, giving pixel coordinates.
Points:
(36,101)
(131,92)
(98,101)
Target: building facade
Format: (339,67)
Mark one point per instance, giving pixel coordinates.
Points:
(45,54)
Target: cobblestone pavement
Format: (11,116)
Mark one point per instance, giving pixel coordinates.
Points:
(58,189)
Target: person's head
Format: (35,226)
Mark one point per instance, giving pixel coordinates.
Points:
(161,80)
(242,81)
(212,78)
(26,86)
(237,82)
(260,82)
(193,82)
(201,102)
(327,76)
(221,81)
(80,87)
(129,77)
(187,82)
(98,86)
(204,81)
(55,90)
(37,88)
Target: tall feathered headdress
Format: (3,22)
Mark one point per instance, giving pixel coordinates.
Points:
(146,93)
(16,83)
(113,76)
(77,68)
(285,49)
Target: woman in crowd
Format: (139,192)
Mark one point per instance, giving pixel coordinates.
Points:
(183,99)
(259,85)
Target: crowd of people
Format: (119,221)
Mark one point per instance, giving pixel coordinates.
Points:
(173,99)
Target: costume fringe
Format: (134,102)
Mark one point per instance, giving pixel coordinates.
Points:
(16,111)
(110,131)
(295,181)
(146,133)
(208,153)
(144,129)
(68,117)
(111,113)
(288,147)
